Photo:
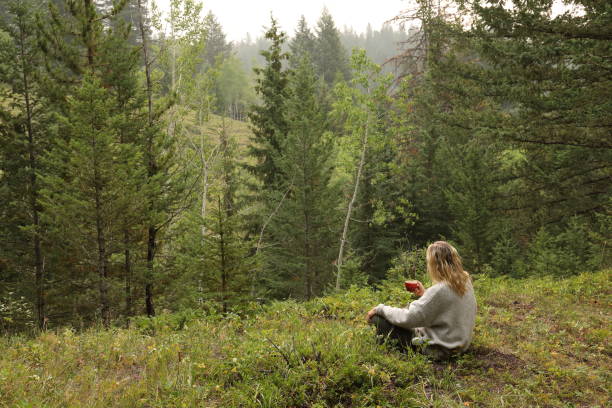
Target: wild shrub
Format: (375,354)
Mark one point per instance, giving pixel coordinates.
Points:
(568,252)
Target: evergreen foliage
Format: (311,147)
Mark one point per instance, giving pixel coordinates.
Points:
(303,230)
(497,108)
(24,120)
(302,44)
(91,188)
(210,256)
(329,56)
(360,107)
(551,79)
(217,46)
(227,254)
(268,118)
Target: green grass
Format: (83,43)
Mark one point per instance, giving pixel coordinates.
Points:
(237,130)
(538,343)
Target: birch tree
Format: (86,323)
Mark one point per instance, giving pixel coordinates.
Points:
(359,105)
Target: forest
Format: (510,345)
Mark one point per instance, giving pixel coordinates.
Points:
(148,165)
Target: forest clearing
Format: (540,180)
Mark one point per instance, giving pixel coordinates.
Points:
(539,343)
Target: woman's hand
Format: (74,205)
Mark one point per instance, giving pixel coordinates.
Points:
(417,287)
(371,314)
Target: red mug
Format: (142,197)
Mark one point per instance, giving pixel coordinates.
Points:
(411,286)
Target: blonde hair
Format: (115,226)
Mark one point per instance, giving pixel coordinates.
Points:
(444,265)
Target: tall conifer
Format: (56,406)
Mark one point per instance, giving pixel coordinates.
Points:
(302,44)
(301,248)
(24,139)
(330,56)
(268,118)
(92,191)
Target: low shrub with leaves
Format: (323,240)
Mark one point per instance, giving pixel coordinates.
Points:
(538,343)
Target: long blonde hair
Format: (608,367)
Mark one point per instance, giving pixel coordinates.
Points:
(444,265)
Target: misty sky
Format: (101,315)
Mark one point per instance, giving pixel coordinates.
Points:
(241,16)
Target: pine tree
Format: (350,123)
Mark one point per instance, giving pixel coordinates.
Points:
(72,36)
(86,193)
(101,127)
(210,256)
(302,231)
(501,131)
(303,43)
(217,46)
(129,120)
(268,119)
(551,78)
(227,249)
(125,16)
(24,140)
(329,56)
(471,191)
(165,181)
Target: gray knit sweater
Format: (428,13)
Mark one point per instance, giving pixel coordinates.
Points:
(439,317)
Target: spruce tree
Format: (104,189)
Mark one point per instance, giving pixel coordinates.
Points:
(227,249)
(129,120)
(507,120)
(210,256)
(85,195)
(24,139)
(550,77)
(302,232)
(217,46)
(268,119)
(96,172)
(165,181)
(330,56)
(303,43)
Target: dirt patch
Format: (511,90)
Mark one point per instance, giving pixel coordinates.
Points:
(483,358)
(491,358)
(526,306)
(516,305)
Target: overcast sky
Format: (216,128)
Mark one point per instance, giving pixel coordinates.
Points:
(241,16)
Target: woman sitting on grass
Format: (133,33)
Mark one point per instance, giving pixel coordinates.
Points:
(441,322)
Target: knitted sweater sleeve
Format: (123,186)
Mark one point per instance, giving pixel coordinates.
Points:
(419,313)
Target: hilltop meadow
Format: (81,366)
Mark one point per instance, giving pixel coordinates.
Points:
(538,343)
(187,221)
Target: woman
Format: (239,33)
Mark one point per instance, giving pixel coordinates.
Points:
(441,322)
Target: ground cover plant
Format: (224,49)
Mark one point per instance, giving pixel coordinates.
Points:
(539,342)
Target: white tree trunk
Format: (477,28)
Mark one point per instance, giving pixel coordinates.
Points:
(349,211)
(261,235)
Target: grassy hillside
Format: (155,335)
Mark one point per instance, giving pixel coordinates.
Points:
(538,343)
(211,128)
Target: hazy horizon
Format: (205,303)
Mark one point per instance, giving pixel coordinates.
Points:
(254,16)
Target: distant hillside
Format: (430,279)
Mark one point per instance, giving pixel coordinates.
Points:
(213,126)
(538,343)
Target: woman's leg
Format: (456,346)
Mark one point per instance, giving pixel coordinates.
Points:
(385,330)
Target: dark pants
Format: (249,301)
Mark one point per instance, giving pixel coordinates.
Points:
(402,339)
